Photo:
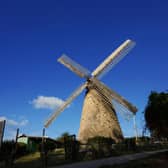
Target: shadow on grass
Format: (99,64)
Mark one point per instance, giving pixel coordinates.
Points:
(35,161)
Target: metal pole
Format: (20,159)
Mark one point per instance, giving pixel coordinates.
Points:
(43,152)
(16,139)
(43,135)
(17,134)
(13,154)
(135,128)
(2,134)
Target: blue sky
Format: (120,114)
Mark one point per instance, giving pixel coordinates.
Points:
(33,34)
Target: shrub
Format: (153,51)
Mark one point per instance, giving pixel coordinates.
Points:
(7,149)
(130,143)
(48,146)
(101,146)
(7,146)
(21,149)
(71,146)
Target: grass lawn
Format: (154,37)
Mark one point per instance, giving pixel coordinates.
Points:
(28,158)
(35,161)
(155,161)
(31,160)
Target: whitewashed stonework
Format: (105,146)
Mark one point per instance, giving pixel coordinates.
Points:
(98,118)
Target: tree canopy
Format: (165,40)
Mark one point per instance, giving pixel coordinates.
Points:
(63,135)
(156,114)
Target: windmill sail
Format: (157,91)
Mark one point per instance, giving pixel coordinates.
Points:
(113,95)
(65,104)
(113,59)
(74,67)
(125,113)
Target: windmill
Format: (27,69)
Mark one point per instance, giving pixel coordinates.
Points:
(98,115)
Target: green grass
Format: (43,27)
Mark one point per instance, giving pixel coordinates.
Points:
(28,158)
(35,161)
(31,160)
(27,161)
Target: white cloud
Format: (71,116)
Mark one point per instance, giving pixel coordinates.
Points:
(42,102)
(11,125)
(10,134)
(2,118)
(24,122)
(11,122)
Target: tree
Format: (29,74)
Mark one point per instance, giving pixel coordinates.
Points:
(71,146)
(62,137)
(156,114)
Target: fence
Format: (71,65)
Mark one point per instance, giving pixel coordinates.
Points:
(71,151)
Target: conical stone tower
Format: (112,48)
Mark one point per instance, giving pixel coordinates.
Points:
(98,118)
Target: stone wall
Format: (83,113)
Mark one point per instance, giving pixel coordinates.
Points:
(98,118)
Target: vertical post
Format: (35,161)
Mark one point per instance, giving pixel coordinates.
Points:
(17,134)
(2,132)
(16,139)
(43,150)
(42,145)
(14,150)
(135,128)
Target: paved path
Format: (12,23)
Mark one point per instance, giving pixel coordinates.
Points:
(110,161)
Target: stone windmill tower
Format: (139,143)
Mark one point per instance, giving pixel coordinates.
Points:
(99,115)
(98,118)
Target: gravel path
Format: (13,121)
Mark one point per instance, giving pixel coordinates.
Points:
(110,161)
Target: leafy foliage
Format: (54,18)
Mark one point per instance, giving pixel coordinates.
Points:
(10,149)
(101,146)
(48,146)
(7,147)
(71,147)
(102,140)
(63,136)
(21,149)
(156,114)
(130,143)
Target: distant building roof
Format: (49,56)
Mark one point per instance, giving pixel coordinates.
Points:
(37,138)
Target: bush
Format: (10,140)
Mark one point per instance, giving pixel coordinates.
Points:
(7,146)
(48,146)
(101,146)
(21,149)
(130,143)
(71,146)
(7,149)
